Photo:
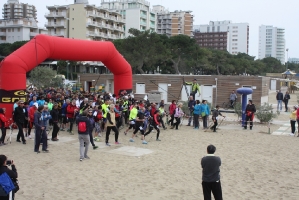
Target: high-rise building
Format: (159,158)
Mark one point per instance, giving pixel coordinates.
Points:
(212,40)
(173,23)
(293,60)
(137,13)
(18,23)
(83,21)
(237,35)
(13,9)
(271,42)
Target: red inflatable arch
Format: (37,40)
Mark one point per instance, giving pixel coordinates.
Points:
(14,67)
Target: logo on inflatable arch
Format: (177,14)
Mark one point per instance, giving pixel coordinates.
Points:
(12,95)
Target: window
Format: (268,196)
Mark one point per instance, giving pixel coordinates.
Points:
(9,30)
(235,35)
(235,27)
(235,31)
(19,29)
(235,39)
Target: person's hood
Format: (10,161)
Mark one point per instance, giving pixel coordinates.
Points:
(1,111)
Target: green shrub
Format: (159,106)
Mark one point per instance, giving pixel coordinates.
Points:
(265,113)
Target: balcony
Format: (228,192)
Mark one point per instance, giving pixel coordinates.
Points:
(55,24)
(142,23)
(153,18)
(61,14)
(143,16)
(57,34)
(2,33)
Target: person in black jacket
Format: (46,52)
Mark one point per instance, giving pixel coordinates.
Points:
(19,117)
(12,173)
(83,136)
(211,174)
(250,110)
(55,117)
(40,132)
(286,100)
(279,98)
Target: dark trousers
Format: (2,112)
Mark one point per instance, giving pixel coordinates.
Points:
(71,120)
(162,123)
(30,127)
(215,125)
(286,102)
(137,128)
(91,138)
(196,121)
(193,95)
(151,129)
(20,133)
(293,123)
(3,130)
(205,121)
(171,120)
(177,123)
(40,135)
(214,187)
(118,121)
(248,118)
(126,116)
(109,128)
(55,130)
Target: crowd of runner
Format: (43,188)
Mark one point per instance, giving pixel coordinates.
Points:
(58,109)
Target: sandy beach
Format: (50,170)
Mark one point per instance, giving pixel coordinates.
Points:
(255,165)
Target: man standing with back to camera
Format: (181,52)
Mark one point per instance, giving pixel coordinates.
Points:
(211,175)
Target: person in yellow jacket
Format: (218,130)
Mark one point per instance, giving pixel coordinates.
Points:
(162,113)
(194,88)
(132,118)
(293,119)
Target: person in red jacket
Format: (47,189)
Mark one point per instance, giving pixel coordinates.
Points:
(153,109)
(3,125)
(31,117)
(155,125)
(71,112)
(172,108)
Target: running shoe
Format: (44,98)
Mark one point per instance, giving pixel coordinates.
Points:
(131,140)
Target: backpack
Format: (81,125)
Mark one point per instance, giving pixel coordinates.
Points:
(82,127)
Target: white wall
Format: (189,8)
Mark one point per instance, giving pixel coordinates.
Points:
(240,36)
(132,20)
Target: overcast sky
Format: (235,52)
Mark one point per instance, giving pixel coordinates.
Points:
(279,13)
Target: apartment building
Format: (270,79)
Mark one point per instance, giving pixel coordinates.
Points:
(293,60)
(272,42)
(136,13)
(18,23)
(13,9)
(84,21)
(213,40)
(237,34)
(173,23)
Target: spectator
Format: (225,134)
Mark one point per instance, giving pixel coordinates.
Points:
(12,173)
(279,98)
(211,175)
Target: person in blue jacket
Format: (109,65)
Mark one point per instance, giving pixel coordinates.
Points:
(196,113)
(204,112)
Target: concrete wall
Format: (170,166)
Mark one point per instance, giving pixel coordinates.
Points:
(77,21)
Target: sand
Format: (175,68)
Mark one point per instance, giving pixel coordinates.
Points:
(255,165)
